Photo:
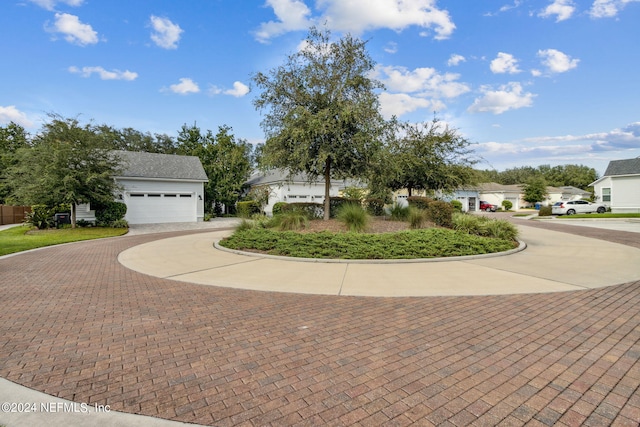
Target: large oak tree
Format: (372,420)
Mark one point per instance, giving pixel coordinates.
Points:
(321,109)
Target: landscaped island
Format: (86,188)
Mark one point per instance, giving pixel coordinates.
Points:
(355,236)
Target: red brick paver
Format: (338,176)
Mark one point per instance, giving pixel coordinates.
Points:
(76,324)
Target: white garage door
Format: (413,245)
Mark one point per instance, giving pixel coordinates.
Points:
(153,208)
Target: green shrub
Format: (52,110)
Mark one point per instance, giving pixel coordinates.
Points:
(110,212)
(419,202)
(120,223)
(292,220)
(399,213)
(248,208)
(41,216)
(500,229)
(336,202)
(417,218)
(353,216)
(279,207)
(309,209)
(244,225)
(483,226)
(507,205)
(440,213)
(545,211)
(457,205)
(374,206)
(354,193)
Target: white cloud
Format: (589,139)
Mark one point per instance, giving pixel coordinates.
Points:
(397,104)
(391,47)
(410,90)
(508,97)
(455,59)
(504,63)
(165,33)
(51,4)
(562,9)
(292,16)
(357,16)
(556,61)
(239,90)
(608,8)
(624,138)
(73,30)
(426,82)
(104,74)
(186,86)
(12,114)
(622,143)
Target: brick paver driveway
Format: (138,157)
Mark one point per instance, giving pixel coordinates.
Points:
(76,324)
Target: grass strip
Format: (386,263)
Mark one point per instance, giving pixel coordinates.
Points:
(427,243)
(23,238)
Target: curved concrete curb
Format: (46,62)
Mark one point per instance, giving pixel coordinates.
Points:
(522,246)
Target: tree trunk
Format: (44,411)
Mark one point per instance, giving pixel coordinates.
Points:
(73,215)
(409,189)
(327,187)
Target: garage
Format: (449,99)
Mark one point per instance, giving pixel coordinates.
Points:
(159,188)
(150,208)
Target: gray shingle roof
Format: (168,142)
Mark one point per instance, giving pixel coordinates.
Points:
(160,166)
(623,167)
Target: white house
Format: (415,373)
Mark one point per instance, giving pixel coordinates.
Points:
(161,188)
(294,188)
(157,188)
(619,187)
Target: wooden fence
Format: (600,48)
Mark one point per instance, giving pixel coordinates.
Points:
(13,214)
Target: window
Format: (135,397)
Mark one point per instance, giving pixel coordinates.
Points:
(153,195)
(136,195)
(185,195)
(606,194)
(170,195)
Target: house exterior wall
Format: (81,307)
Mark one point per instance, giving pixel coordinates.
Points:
(625,194)
(296,192)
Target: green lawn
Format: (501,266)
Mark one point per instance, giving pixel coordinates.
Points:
(427,243)
(22,238)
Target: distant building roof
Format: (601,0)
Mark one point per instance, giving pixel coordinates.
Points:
(137,164)
(498,188)
(623,167)
(279,176)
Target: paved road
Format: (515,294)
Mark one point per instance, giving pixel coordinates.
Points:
(78,325)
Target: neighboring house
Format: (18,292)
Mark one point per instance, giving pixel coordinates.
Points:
(161,188)
(495,194)
(294,189)
(157,188)
(619,187)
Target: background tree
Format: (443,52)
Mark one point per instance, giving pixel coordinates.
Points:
(68,164)
(12,138)
(322,113)
(579,176)
(226,161)
(429,156)
(535,190)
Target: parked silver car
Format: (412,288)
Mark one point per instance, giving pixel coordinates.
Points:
(577,207)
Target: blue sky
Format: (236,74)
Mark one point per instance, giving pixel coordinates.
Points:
(530,82)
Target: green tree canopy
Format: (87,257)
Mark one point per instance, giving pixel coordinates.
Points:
(321,111)
(12,138)
(428,156)
(226,161)
(68,164)
(535,190)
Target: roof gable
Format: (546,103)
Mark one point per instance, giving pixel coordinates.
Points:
(623,167)
(137,164)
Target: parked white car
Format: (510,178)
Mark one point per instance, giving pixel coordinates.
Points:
(577,207)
